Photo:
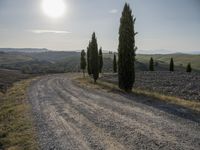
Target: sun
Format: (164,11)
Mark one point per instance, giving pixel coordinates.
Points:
(54,8)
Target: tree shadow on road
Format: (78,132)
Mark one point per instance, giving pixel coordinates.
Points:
(173,109)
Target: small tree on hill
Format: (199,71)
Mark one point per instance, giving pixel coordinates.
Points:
(126,50)
(100,60)
(189,68)
(171,66)
(151,64)
(114,64)
(83,62)
(94,58)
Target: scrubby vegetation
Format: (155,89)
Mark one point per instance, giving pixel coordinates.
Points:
(8,77)
(16,128)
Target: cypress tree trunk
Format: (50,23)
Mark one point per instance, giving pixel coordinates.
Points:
(83,62)
(126,50)
(151,64)
(100,60)
(171,66)
(114,64)
(94,58)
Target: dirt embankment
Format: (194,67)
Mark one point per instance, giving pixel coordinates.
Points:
(68,116)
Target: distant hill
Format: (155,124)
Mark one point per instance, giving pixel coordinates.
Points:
(26,50)
(13,57)
(69,61)
(180,60)
(41,62)
(164,51)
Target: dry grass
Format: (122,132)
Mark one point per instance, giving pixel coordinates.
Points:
(169,99)
(16,128)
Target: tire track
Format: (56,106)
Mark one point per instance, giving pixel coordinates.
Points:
(113,122)
(165,128)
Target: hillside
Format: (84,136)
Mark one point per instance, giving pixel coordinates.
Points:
(27,50)
(180,60)
(8,77)
(68,61)
(12,58)
(162,61)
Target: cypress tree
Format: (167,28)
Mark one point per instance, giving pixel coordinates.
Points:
(94,58)
(126,50)
(171,66)
(151,64)
(189,68)
(114,64)
(100,60)
(83,62)
(89,59)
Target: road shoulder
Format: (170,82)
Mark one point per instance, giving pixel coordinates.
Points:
(183,108)
(16,125)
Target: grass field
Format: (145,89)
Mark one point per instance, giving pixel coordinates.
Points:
(16,127)
(180,60)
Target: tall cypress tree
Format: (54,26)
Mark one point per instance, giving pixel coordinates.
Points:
(114,64)
(100,60)
(189,68)
(171,66)
(89,59)
(94,58)
(126,50)
(151,64)
(83,62)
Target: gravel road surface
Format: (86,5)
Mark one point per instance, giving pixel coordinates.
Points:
(69,117)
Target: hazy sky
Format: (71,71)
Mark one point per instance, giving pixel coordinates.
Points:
(162,24)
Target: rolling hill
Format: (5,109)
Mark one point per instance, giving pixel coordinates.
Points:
(180,60)
(68,61)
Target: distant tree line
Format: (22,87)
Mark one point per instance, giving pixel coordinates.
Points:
(171,66)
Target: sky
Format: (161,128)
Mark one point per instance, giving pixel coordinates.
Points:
(163,25)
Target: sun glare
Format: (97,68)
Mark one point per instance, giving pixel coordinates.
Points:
(54,8)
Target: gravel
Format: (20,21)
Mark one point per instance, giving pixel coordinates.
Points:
(69,116)
(180,84)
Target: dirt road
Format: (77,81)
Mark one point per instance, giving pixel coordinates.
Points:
(70,117)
